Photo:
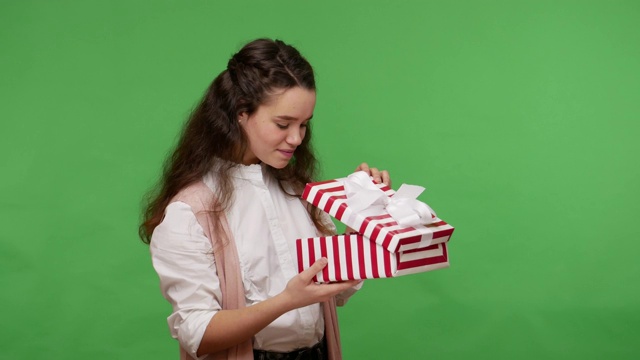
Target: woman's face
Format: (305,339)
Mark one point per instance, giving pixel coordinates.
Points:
(278,126)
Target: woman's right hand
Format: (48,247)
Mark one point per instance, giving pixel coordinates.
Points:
(241,324)
(301,290)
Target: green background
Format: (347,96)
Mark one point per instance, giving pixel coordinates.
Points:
(520,117)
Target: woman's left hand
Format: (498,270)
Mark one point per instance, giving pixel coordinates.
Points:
(378,176)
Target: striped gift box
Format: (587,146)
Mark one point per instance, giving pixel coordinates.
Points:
(378,225)
(354,257)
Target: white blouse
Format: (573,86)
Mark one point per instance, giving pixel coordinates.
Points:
(264,223)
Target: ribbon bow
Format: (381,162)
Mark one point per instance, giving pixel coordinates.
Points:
(404,208)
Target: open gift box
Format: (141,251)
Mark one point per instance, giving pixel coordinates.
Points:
(354,257)
(375,222)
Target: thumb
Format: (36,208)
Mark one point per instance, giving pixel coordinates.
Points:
(317,266)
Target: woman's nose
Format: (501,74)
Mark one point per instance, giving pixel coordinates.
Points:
(295,137)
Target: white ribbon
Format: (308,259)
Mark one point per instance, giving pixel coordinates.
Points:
(407,210)
(404,208)
(362,193)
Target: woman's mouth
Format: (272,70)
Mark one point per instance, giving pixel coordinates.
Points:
(287,153)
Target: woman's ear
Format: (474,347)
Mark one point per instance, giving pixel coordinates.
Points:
(243,117)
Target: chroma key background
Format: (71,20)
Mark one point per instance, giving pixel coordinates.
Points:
(521,118)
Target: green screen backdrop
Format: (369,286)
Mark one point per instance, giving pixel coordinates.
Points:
(520,117)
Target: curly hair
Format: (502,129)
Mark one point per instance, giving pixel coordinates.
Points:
(212,136)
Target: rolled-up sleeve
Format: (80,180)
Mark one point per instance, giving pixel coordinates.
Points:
(183,258)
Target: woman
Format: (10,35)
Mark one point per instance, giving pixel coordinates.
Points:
(223,223)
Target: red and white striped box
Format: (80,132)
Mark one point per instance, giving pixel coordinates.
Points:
(354,257)
(377,226)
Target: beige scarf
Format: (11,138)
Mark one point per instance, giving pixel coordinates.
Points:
(198,196)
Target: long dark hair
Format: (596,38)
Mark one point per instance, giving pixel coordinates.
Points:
(212,132)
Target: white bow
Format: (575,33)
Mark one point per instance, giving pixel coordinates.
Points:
(404,208)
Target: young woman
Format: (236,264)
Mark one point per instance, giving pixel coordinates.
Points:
(223,222)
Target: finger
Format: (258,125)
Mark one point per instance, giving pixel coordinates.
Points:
(386,179)
(314,269)
(349,283)
(375,174)
(363,167)
(332,289)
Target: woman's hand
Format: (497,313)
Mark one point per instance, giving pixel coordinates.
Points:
(378,176)
(302,291)
(241,324)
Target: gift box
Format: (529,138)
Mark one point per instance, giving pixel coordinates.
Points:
(354,257)
(376,223)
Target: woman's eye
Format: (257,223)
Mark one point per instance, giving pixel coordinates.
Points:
(281,126)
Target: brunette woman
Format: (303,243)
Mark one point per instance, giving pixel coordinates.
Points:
(223,222)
